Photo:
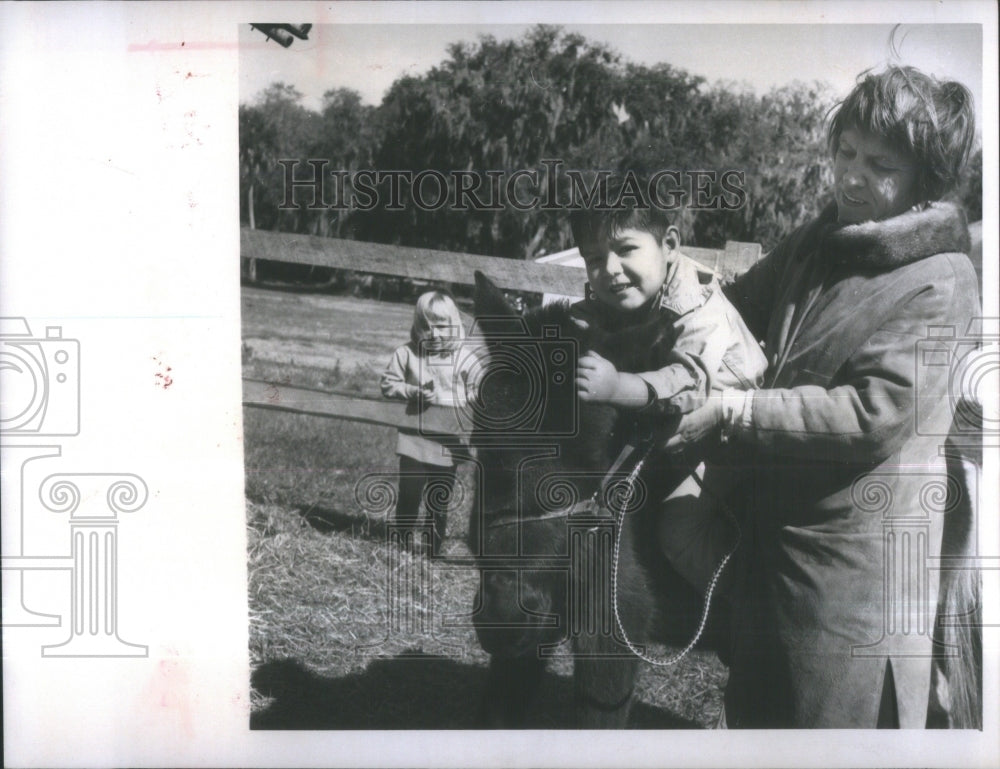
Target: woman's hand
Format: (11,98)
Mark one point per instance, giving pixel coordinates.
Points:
(697,425)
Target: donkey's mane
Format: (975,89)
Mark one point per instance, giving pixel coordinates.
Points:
(556,314)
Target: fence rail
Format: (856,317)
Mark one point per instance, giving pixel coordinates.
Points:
(319,403)
(423,264)
(452,267)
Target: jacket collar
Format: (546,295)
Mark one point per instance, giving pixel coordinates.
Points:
(913,235)
(684,290)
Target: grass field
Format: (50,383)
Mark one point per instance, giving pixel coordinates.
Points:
(321,570)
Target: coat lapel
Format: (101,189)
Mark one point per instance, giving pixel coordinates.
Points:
(804,291)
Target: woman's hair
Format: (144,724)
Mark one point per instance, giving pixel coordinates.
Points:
(436,307)
(932,121)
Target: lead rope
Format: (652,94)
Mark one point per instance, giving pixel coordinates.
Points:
(620,519)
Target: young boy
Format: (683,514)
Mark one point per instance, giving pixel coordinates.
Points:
(637,274)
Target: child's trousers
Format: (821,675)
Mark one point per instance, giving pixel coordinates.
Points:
(431,484)
(694,529)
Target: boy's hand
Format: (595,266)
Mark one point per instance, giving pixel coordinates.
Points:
(596,378)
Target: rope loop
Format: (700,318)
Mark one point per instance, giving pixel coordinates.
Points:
(709,591)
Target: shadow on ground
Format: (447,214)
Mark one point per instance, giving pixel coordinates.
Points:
(411,692)
(327,520)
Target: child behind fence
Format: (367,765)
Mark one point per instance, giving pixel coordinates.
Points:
(428,368)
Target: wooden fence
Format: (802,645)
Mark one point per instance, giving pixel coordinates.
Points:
(423,264)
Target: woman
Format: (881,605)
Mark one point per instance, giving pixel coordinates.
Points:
(836,585)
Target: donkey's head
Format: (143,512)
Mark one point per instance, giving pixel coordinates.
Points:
(540,451)
(528,421)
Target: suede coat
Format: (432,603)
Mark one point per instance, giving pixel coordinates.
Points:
(837,578)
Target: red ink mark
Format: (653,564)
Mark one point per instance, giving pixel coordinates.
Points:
(162,376)
(168,691)
(189,117)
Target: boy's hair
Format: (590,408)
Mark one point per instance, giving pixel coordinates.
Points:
(930,120)
(435,307)
(628,204)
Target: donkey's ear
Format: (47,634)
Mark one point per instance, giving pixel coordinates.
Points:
(490,301)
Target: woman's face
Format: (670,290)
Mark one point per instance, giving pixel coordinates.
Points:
(872,179)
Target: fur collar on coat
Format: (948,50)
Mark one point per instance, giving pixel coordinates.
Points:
(916,234)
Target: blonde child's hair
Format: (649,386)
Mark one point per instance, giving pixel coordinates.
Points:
(436,307)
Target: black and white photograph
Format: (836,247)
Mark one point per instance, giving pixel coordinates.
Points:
(705,488)
(453,384)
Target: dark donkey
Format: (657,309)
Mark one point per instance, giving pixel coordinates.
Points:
(554,479)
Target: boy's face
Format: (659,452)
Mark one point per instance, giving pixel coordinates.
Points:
(626,270)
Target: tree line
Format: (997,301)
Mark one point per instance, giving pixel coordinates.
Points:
(507,105)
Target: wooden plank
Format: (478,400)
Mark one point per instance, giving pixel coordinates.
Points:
(421,263)
(428,264)
(299,400)
(738,258)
